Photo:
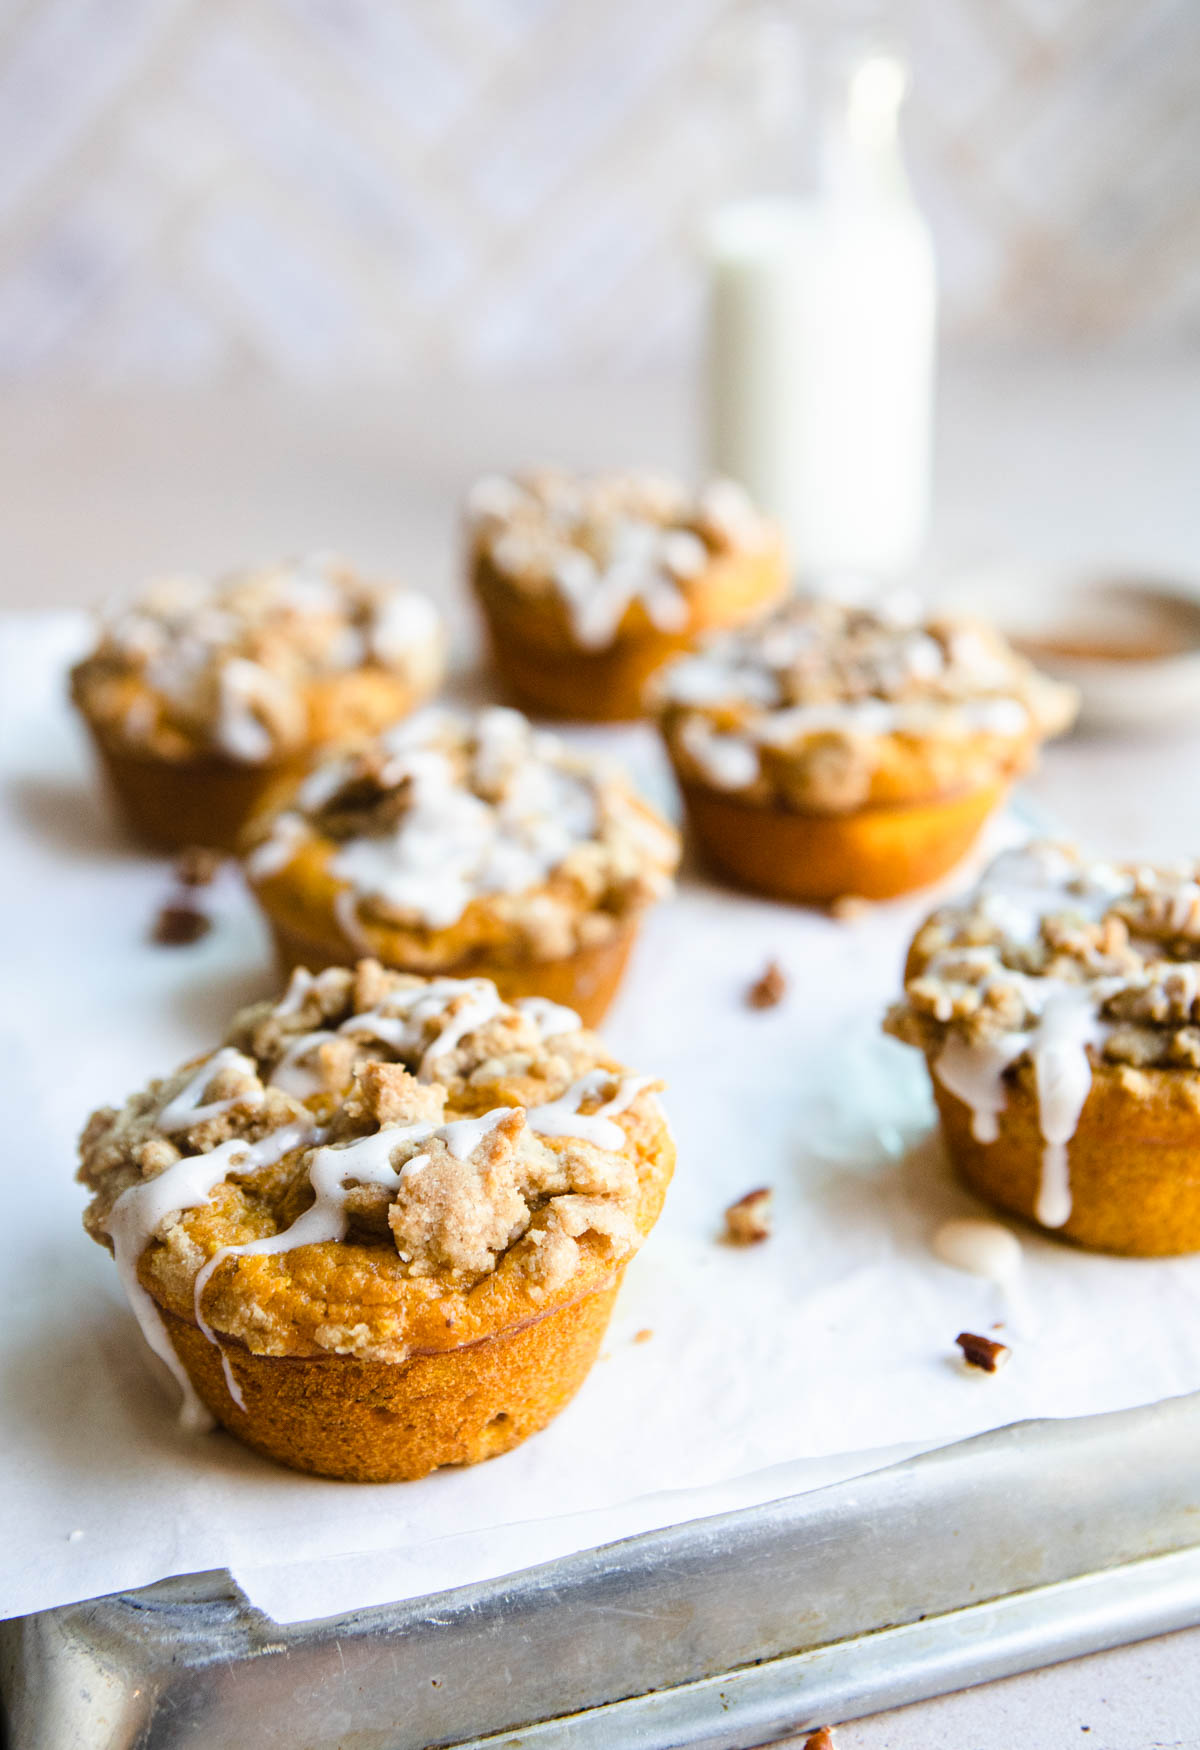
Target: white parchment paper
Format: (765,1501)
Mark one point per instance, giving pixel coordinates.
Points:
(821,1354)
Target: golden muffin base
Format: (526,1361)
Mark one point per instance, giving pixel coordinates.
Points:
(389,1422)
(871,853)
(586,981)
(548,674)
(173,804)
(207,798)
(1134,1161)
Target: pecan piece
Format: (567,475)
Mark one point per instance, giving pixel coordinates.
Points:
(178,926)
(749,1219)
(982,1352)
(768,991)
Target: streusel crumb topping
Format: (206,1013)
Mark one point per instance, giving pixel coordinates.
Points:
(1054,965)
(602,542)
(363,1155)
(809,703)
(447,810)
(1122,938)
(226,666)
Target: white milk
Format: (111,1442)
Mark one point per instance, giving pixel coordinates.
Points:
(821,346)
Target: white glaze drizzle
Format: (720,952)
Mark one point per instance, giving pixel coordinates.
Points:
(550,1019)
(815,669)
(185,1109)
(298,987)
(452,844)
(196,643)
(246,693)
(600,560)
(290,1073)
(288,832)
(1020,889)
(562,1117)
(729,761)
(335,1168)
(597,596)
(140,1212)
(400,1021)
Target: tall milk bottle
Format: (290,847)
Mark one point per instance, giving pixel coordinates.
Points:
(821,341)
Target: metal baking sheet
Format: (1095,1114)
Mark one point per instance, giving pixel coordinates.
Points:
(1034,1543)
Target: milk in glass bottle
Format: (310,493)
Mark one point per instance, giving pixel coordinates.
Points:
(822,313)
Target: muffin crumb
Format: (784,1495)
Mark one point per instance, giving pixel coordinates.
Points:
(768,991)
(748,1221)
(643,1336)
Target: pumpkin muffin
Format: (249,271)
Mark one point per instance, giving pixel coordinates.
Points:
(466,845)
(589,584)
(201,697)
(381,1229)
(835,751)
(1058,1007)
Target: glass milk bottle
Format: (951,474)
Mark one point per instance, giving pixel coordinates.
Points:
(822,316)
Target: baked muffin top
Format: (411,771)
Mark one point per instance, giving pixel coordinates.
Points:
(453,820)
(830,706)
(376,1165)
(1053,951)
(230,667)
(1054,969)
(600,543)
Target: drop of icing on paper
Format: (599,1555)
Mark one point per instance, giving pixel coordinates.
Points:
(982,1248)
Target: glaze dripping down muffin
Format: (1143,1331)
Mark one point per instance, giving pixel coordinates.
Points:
(1058,1008)
(379,1191)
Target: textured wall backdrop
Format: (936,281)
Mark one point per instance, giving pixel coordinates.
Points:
(346,188)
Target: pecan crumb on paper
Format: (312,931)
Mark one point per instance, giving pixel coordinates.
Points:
(178,926)
(982,1351)
(768,991)
(749,1219)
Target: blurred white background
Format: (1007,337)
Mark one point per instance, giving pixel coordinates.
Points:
(338,190)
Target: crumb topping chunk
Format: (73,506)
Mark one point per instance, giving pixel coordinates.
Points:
(449,809)
(1055,962)
(811,699)
(369,1138)
(600,543)
(225,665)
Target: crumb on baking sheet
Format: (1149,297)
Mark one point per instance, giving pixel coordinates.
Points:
(749,1219)
(178,926)
(982,1352)
(768,991)
(643,1336)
